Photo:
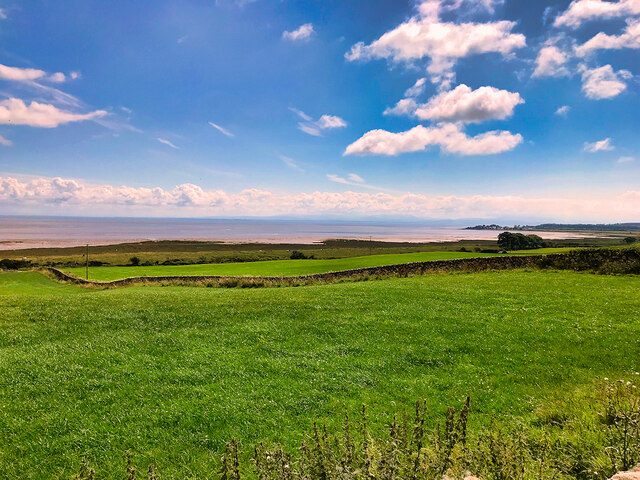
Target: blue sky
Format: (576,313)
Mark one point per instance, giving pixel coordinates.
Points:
(526,110)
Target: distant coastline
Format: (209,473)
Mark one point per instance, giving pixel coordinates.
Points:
(563,227)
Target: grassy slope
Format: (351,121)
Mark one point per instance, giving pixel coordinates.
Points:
(277,267)
(169,373)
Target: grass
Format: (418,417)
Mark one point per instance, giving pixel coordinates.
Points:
(267,268)
(192,252)
(171,373)
(281,267)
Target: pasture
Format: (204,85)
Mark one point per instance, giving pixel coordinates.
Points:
(283,267)
(171,373)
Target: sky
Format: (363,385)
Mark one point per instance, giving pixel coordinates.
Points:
(433,109)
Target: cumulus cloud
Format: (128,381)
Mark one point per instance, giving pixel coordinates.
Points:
(164,141)
(16,74)
(14,111)
(551,62)
(601,146)
(301,33)
(315,128)
(581,11)
(69,195)
(406,106)
(426,37)
(222,130)
(603,82)
(563,111)
(630,38)
(5,142)
(449,137)
(470,106)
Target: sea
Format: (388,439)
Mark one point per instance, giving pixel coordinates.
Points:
(20,232)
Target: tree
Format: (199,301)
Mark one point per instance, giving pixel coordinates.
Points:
(630,240)
(519,241)
(135,261)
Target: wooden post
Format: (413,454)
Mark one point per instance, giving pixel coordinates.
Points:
(87,263)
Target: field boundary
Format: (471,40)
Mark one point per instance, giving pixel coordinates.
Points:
(623,261)
(403,269)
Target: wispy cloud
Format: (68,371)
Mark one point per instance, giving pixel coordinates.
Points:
(5,142)
(563,111)
(601,146)
(3,14)
(301,33)
(222,130)
(167,142)
(291,163)
(315,128)
(355,180)
(626,159)
(301,114)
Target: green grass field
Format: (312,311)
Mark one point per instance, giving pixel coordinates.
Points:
(170,373)
(281,267)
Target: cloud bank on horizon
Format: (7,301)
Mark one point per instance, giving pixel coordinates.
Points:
(189,199)
(490,99)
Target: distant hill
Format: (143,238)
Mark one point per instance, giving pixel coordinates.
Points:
(608,227)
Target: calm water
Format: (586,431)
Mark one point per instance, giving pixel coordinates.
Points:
(30,232)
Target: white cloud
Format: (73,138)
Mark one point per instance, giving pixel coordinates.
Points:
(167,142)
(330,121)
(222,130)
(5,142)
(14,111)
(626,160)
(601,146)
(67,195)
(551,62)
(563,111)
(443,43)
(603,82)
(406,106)
(630,38)
(290,162)
(57,77)
(417,89)
(315,128)
(3,14)
(301,33)
(354,177)
(449,137)
(16,74)
(581,11)
(470,106)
